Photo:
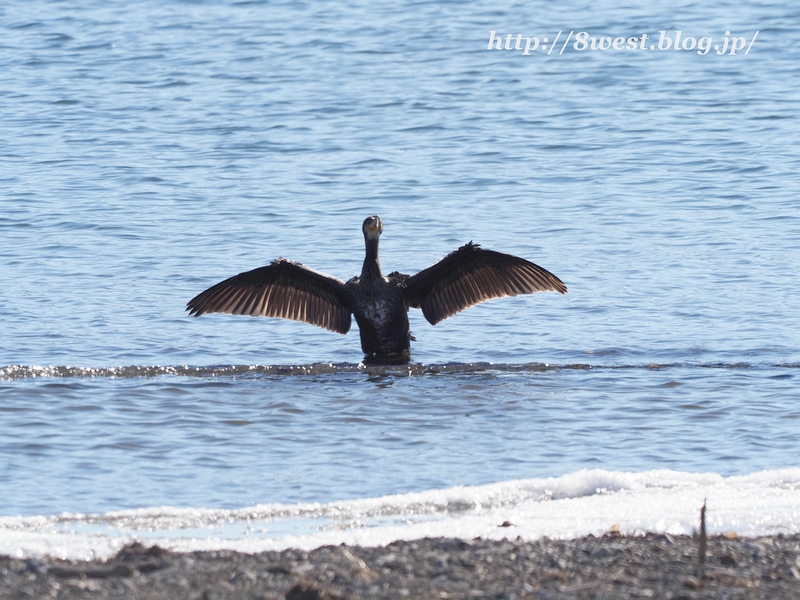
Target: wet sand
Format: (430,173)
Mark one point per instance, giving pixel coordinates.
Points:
(612,566)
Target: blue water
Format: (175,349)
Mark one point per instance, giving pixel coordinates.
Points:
(149,151)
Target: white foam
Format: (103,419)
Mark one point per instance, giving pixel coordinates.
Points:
(589,501)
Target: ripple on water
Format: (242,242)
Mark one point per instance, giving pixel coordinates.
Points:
(233,437)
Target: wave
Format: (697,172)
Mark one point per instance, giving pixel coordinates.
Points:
(12,372)
(573,505)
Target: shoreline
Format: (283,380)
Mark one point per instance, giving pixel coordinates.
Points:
(610,566)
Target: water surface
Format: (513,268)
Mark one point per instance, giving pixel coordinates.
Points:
(153,149)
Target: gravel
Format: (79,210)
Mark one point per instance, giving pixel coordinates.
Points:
(612,566)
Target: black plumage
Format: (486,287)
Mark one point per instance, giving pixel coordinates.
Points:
(290,290)
(285,289)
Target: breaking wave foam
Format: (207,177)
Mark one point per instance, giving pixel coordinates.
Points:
(574,505)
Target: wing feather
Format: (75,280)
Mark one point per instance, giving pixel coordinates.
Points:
(283,289)
(471,275)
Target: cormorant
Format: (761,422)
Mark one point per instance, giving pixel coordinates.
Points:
(291,290)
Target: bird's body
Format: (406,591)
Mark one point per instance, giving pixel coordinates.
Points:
(380,304)
(382,315)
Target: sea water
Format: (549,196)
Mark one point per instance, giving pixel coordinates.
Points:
(152,150)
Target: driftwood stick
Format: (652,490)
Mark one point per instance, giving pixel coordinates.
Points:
(703,533)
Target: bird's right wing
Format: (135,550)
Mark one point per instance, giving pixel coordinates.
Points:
(284,289)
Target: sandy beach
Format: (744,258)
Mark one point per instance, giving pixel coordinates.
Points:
(611,566)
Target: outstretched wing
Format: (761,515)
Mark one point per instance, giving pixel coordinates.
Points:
(471,275)
(284,289)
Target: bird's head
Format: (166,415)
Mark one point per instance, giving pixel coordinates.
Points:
(373,227)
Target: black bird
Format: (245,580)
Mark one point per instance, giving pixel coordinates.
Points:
(291,290)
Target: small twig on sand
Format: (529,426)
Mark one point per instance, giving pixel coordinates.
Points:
(703,533)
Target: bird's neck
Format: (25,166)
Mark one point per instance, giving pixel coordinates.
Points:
(372,264)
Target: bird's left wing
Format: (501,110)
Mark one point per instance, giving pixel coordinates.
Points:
(471,275)
(284,289)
